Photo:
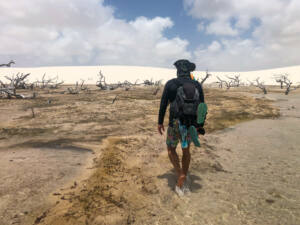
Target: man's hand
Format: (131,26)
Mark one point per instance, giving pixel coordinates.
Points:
(201,130)
(161,128)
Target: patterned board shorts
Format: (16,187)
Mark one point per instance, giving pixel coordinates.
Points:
(173,135)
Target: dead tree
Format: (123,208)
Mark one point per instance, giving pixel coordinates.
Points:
(282,79)
(78,87)
(74,90)
(148,82)
(55,84)
(50,82)
(82,86)
(279,80)
(10,92)
(205,78)
(285,81)
(18,81)
(44,82)
(288,84)
(260,85)
(8,64)
(145,83)
(15,82)
(228,84)
(127,85)
(101,82)
(220,82)
(151,83)
(235,80)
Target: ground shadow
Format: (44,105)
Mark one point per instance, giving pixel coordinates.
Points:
(57,144)
(170,176)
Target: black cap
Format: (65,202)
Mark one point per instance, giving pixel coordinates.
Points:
(184,65)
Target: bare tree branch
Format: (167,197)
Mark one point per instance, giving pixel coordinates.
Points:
(261,85)
(51,82)
(281,78)
(156,90)
(220,82)
(205,78)
(148,82)
(10,92)
(17,81)
(235,80)
(113,101)
(228,84)
(8,64)
(101,82)
(288,84)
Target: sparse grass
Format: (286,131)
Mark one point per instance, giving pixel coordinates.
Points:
(227,108)
(90,115)
(23,131)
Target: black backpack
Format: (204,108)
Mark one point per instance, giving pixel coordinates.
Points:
(185,105)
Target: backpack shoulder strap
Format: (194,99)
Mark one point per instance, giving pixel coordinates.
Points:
(177,82)
(197,95)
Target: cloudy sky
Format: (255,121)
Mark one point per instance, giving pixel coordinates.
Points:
(219,35)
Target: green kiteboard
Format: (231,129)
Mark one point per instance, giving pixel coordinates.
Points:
(194,135)
(201,116)
(201,113)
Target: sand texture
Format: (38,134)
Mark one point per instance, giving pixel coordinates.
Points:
(116,169)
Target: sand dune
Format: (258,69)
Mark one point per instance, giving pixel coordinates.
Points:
(71,74)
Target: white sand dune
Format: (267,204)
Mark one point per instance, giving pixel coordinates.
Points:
(114,74)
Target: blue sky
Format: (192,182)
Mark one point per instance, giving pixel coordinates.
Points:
(185,26)
(219,35)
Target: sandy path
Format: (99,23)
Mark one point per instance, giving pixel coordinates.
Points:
(29,175)
(261,178)
(246,174)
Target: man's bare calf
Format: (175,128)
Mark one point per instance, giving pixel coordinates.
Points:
(181,172)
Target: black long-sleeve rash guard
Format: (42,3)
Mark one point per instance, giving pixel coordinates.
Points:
(169,95)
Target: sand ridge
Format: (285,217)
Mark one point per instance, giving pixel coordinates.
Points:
(115,74)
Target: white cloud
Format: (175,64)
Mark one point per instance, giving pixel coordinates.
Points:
(221,28)
(63,32)
(214,47)
(247,34)
(254,34)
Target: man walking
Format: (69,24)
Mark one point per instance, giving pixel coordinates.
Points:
(182,116)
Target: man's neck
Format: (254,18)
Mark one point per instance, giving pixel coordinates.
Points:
(183,74)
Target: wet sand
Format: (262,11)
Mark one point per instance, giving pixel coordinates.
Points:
(245,174)
(29,175)
(261,179)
